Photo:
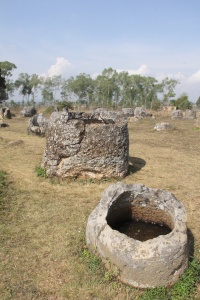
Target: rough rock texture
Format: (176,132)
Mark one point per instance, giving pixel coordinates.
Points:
(28,111)
(190,114)
(128,111)
(155,262)
(105,114)
(177,114)
(5,112)
(4,125)
(163,126)
(140,112)
(37,125)
(86,145)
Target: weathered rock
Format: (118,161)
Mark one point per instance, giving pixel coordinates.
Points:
(86,147)
(5,112)
(190,114)
(28,111)
(105,114)
(177,114)
(155,262)
(163,126)
(140,112)
(115,116)
(1,115)
(100,109)
(37,125)
(128,111)
(4,125)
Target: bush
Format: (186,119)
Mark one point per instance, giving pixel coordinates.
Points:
(183,103)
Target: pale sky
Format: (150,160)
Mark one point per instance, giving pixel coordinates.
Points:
(156,38)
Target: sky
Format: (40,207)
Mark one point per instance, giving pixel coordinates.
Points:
(156,38)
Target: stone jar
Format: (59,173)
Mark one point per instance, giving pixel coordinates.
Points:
(155,262)
(87,146)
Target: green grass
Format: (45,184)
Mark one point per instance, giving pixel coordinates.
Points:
(41,172)
(42,221)
(4,191)
(184,289)
(3,181)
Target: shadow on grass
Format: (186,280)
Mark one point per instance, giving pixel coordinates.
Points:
(136,164)
(190,243)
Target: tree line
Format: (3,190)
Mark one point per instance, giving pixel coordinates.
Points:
(110,89)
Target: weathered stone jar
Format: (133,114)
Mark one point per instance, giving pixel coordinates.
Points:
(155,262)
(84,145)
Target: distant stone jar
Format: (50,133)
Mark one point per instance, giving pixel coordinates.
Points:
(163,126)
(5,112)
(85,145)
(37,125)
(190,114)
(177,114)
(28,111)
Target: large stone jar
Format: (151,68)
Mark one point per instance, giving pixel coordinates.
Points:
(155,262)
(81,145)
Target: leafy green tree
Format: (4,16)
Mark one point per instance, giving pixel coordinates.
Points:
(36,82)
(24,83)
(64,90)
(81,87)
(64,105)
(7,68)
(126,91)
(183,103)
(106,88)
(51,87)
(3,94)
(10,87)
(28,85)
(198,102)
(168,86)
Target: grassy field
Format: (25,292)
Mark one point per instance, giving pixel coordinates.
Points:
(42,222)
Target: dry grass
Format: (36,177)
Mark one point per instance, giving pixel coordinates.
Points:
(42,226)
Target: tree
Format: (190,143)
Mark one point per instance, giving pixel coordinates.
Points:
(64,105)
(106,88)
(51,86)
(7,68)
(3,95)
(183,103)
(35,83)
(24,83)
(168,86)
(82,87)
(10,87)
(198,102)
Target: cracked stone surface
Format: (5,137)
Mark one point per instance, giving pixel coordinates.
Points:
(156,262)
(28,111)
(190,114)
(163,126)
(86,146)
(177,114)
(37,125)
